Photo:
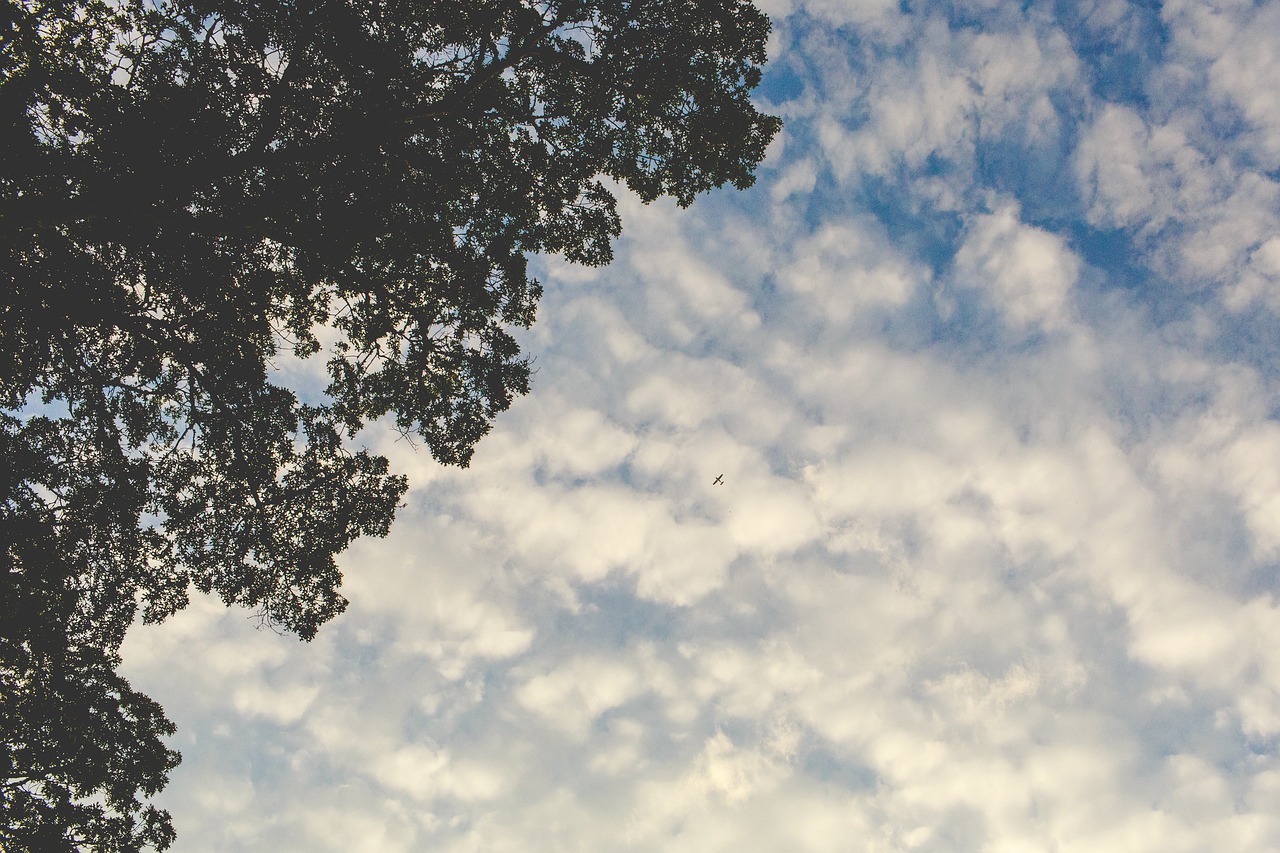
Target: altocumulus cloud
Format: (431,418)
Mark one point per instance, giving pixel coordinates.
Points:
(986,361)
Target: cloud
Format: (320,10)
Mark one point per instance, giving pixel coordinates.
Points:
(1232,45)
(1028,273)
(1191,170)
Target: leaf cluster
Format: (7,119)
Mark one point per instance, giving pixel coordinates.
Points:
(192,190)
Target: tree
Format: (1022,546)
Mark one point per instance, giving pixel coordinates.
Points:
(190,187)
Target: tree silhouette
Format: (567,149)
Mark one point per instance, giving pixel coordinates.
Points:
(189,189)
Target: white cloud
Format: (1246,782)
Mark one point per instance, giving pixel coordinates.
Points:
(427,774)
(942,95)
(281,704)
(1198,193)
(566,700)
(1028,274)
(1233,44)
(843,270)
(882,17)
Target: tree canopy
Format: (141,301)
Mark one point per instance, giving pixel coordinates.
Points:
(190,189)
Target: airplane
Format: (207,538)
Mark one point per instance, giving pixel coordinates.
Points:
(718,481)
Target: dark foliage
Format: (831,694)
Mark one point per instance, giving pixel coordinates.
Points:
(187,189)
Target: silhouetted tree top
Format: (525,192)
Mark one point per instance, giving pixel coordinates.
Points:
(187,188)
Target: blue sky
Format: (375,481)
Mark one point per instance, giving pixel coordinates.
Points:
(987,360)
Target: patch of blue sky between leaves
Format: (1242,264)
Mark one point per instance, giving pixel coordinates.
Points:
(781,82)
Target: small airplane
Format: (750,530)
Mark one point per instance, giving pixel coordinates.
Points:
(718,481)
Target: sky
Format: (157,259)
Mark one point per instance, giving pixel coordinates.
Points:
(987,361)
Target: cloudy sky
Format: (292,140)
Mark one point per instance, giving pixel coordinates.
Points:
(987,360)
